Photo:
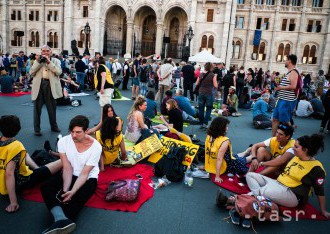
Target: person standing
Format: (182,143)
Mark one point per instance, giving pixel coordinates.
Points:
(207,82)
(135,79)
(80,70)
(165,78)
(66,193)
(126,74)
(21,64)
(46,87)
(287,97)
(188,74)
(319,83)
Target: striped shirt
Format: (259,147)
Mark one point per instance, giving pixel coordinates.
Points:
(286,95)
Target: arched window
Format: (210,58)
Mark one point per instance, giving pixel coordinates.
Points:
(280,53)
(17,39)
(286,52)
(50,42)
(259,52)
(55,40)
(312,55)
(305,54)
(236,49)
(211,44)
(204,42)
(35,39)
(82,39)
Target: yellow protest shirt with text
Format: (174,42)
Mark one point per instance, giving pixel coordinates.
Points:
(7,153)
(276,149)
(110,151)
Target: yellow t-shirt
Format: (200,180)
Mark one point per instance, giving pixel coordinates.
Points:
(7,153)
(110,151)
(212,147)
(275,148)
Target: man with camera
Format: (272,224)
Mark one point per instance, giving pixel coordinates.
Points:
(46,87)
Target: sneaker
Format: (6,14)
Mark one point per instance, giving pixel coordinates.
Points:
(62,226)
(193,121)
(246,223)
(234,216)
(200,174)
(321,129)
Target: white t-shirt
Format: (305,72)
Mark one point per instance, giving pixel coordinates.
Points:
(267,143)
(90,157)
(164,69)
(303,109)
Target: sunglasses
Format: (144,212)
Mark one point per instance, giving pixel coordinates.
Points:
(282,126)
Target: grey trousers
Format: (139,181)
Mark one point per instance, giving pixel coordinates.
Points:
(44,97)
(261,185)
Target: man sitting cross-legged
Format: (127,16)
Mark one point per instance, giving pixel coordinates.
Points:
(16,164)
(279,153)
(66,194)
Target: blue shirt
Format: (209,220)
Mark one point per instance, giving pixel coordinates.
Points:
(6,83)
(184,105)
(260,108)
(151,107)
(20,61)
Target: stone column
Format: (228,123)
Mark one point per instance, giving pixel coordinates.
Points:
(97,36)
(229,50)
(68,29)
(273,40)
(26,36)
(5,33)
(43,12)
(225,32)
(300,33)
(192,23)
(129,38)
(247,54)
(325,52)
(159,37)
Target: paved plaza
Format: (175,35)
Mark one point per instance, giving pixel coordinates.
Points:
(173,209)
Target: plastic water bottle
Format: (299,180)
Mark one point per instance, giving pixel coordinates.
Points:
(188,179)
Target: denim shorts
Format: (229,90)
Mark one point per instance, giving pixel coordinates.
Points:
(136,81)
(283,110)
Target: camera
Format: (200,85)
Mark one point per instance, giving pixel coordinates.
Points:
(42,59)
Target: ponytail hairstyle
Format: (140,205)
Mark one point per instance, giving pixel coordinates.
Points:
(108,129)
(138,102)
(312,143)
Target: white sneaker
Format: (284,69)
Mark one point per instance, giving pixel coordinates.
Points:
(200,174)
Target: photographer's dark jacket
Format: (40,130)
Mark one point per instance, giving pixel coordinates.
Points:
(53,71)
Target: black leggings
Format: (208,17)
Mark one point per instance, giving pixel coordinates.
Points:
(72,209)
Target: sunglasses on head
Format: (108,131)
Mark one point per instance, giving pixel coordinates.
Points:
(282,126)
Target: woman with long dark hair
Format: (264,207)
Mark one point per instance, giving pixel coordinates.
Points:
(300,175)
(112,141)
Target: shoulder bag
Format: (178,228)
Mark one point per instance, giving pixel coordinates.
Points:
(196,90)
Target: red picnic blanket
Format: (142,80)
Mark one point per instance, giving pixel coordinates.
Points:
(105,177)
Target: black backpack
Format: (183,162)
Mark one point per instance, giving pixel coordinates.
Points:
(171,164)
(228,81)
(144,74)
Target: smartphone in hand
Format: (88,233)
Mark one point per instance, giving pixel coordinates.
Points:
(59,195)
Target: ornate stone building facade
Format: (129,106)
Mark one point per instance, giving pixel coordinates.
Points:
(252,33)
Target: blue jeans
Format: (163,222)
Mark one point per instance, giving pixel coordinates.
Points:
(143,88)
(205,100)
(81,80)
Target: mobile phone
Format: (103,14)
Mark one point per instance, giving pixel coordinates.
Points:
(139,176)
(59,196)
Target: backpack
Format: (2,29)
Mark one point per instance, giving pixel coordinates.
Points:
(259,207)
(299,87)
(117,94)
(171,164)
(144,74)
(6,62)
(240,79)
(228,81)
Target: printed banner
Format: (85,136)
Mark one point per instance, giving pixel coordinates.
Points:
(146,147)
(257,37)
(168,143)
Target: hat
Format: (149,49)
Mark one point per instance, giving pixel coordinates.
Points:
(233,87)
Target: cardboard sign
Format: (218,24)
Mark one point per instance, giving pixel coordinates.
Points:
(146,147)
(168,143)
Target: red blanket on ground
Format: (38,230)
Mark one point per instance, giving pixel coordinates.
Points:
(235,186)
(18,94)
(111,174)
